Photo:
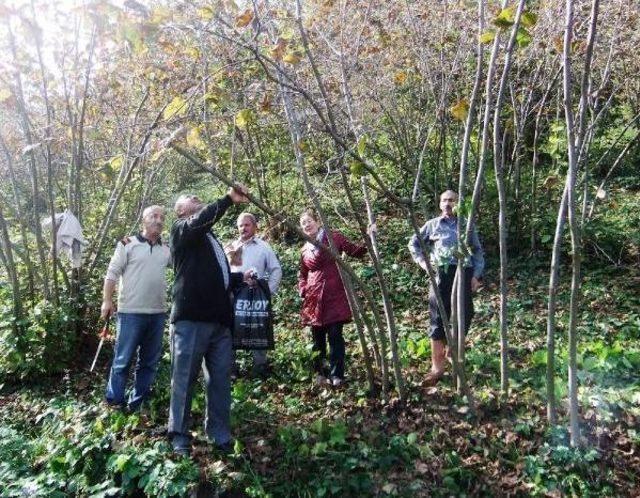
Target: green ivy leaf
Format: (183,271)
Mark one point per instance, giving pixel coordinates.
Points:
(121,462)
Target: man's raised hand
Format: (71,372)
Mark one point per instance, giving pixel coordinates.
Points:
(238,193)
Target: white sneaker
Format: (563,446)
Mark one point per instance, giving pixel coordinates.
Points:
(336,381)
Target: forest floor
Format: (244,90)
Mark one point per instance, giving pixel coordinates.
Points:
(296,439)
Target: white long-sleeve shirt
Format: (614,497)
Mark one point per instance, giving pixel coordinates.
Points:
(258,255)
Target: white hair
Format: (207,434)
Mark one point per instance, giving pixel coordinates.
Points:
(246,214)
(150,209)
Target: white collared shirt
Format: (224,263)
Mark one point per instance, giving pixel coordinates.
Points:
(258,255)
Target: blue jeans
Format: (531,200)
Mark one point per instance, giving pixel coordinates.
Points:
(136,333)
(191,343)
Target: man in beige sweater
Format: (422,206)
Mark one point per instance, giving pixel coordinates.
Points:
(139,264)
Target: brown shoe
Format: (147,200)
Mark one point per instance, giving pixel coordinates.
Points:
(432,378)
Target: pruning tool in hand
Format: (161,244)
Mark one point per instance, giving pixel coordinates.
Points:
(104,333)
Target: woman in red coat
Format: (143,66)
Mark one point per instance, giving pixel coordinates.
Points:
(324,301)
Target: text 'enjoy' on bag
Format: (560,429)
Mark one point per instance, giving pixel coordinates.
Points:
(253,319)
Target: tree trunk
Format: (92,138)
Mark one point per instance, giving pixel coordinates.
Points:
(498,162)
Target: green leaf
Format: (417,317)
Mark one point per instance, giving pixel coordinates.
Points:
(487,37)
(132,35)
(412,438)
(505,18)
(121,462)
(356,168)
(362,144)
(338,434)
(528,19)
(319,448)
(523,38)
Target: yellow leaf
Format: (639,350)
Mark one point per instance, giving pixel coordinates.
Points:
(160,15)
(287,34)
(487,37)
(206,13)
(243,118)
(177,107)
(550,181)
(505,18)
(194,139)
(460,110)
(158,154)
(5,94)
(302,145)
(212,98)
(558,43)
(193,52)
(291,58)
(244,19)
(400,77)
(116,162)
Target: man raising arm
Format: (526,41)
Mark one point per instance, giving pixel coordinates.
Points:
(201,317)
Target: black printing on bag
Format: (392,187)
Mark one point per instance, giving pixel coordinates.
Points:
(252,317)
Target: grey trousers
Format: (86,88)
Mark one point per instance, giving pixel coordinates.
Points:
(195,345)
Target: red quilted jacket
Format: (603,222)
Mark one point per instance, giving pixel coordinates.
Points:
(324,300)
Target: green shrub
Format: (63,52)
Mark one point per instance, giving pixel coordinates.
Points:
(45,343)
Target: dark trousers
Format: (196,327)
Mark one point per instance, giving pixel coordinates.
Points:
(336,349)
(445,284)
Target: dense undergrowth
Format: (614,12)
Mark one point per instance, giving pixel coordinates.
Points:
(294,439)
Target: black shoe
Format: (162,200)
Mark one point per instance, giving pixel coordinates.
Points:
(226,448)
(181,445)
(182,451)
